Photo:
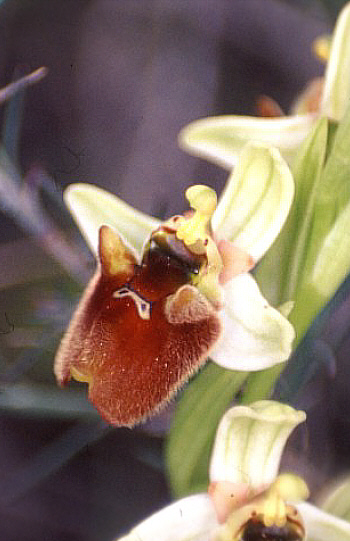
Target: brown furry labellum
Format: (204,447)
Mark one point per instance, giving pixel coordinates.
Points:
(139,332)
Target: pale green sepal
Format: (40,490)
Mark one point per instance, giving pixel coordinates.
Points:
(250,441)
(336,91)
(189,519)
(92,207)
(220,139)
(255,335)
(321,526)
(256,200)
(337,501)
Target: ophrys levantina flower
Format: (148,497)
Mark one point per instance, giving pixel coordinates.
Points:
(149,320)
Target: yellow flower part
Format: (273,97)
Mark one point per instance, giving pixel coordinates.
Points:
(203,201)
(321,47)
(195,233)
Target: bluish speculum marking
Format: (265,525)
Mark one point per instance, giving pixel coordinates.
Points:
(143,307)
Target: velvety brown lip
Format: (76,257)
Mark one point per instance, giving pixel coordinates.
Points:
(135,362)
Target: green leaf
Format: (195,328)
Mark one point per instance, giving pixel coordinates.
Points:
(277,273)
(325,262)
(307,172)
(259,384)
(194,426)
(314,249)
(280,272)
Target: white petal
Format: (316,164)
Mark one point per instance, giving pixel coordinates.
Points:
(255,335)
(220,139)
(250,441)
(336,92)
(190,519)
(256,200)
(321,526)
(92,207)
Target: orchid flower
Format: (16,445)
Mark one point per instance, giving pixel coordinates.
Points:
(166,295)
(220,138)
(247,500)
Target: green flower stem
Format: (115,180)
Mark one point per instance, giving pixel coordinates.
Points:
(194,426)
(259,385)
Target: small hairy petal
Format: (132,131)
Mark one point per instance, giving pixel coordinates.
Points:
(116,258)
(187,305)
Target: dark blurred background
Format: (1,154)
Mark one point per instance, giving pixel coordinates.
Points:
(124,77)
